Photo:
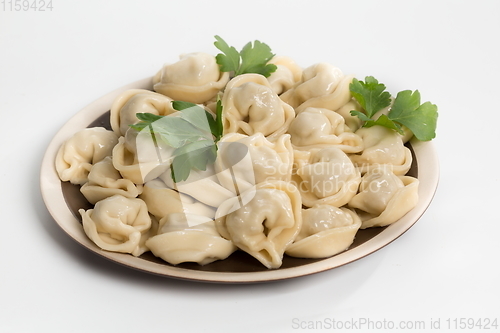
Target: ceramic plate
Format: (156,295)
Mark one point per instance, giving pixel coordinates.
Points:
(64,199)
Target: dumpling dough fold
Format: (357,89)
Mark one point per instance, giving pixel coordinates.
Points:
(118,224)
(250,105)
(244,161)
(326,231)
(317,127)
(105,181)
(382,146)
(195,78)
(140,158)
(76,155)
(325,176)
(287,74)
(384,197)
(162,201)
(129,103)
(189,238)
(266,225)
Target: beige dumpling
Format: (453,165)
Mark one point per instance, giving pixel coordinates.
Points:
(287,74)
(105,181)
(317,127)
(326,176)
(162,201)
(384,197)
(195,78)
(76,155)
(326,231)
(202,186)
(250,105)
(244,161)
(118,224)
(140,158)
(264,225)
(189,238)
(382,146)
(317,80)
(129,103)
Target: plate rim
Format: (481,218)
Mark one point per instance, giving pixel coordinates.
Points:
(50,185)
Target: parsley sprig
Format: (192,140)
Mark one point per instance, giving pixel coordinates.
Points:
(253,58)
(406,109)
(193,134)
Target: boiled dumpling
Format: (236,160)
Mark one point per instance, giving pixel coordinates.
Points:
(189,238)
(244,161)
(317,80)
(263,221)
(316,127)
(129,103)
(76,156)
(118,224)
(326,230)
(213,193)
(105,181)
(140,158)
(162,201)
(250,105)
(287,74)
(384,197)
(326,176)
(195,78)
(382,146)
(322,86)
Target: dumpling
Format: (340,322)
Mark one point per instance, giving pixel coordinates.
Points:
(316,127)
(140,158)
(250,105)
(118,224)
(322,86)
(264,225)
(162,201)
(326,231)
(317,80)
(287,74)
(384,197)
(213,193)
(382,146)
(76,155)
(189,238)
(195,78)
(326,176)
(244,161)
(129,103)
(105,181)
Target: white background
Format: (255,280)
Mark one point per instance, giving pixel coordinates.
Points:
(54,63)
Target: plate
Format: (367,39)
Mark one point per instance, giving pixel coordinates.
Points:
(64,199)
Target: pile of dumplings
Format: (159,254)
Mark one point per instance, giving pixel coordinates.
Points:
(295,173)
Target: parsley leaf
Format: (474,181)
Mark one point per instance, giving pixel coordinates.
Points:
(370,94)
(406,110)
(253,58)
(195,155)
(193,134)
(421,119)
(229,60)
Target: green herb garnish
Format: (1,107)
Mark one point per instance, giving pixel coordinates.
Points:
(194,134)
(406,109)
(253,58)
